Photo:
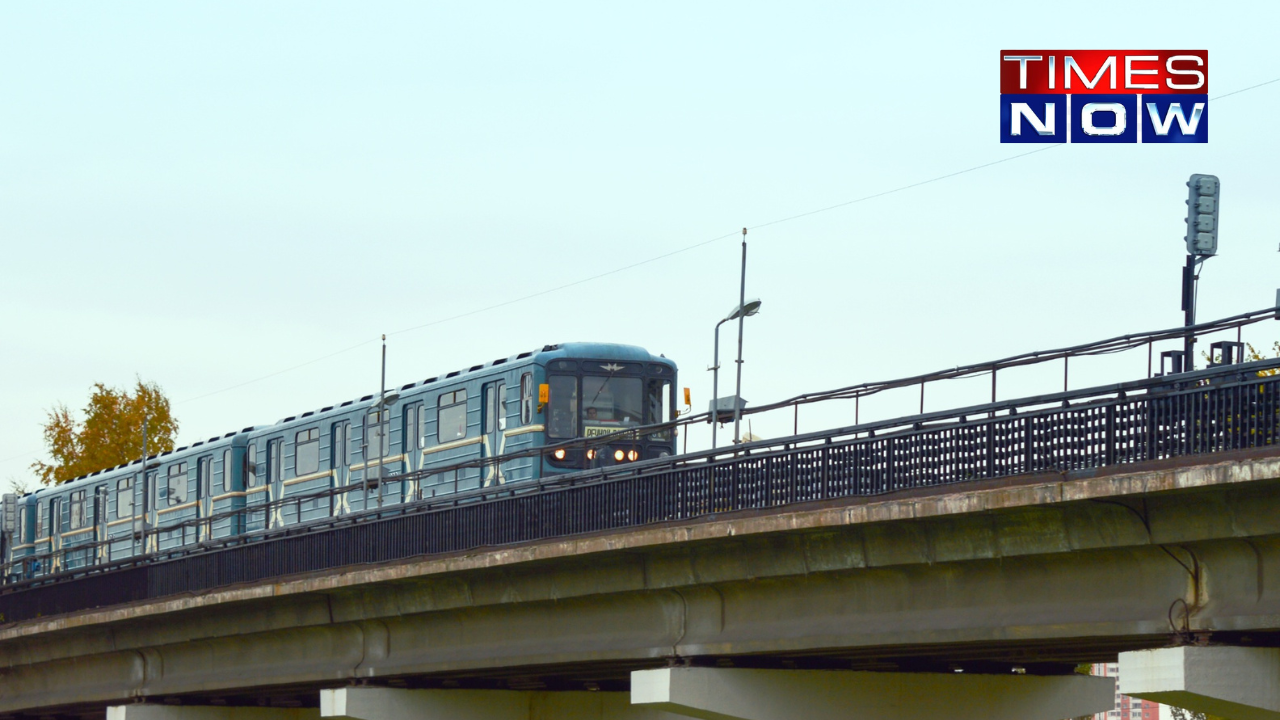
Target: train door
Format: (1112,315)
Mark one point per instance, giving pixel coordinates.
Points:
(495,425)
(339,434)
(410,444)
(275,482)
(102,553)
(151,538)
(204,497)
(55,530)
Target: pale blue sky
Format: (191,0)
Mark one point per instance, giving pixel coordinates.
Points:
(207,193)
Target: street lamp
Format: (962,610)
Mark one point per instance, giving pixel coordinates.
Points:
(381,410)
(747,309)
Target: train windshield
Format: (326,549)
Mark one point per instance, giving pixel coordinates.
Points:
(595,404)
(610,404)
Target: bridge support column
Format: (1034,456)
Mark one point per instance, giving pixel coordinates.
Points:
(729,694)
(366,703)
(207,712)
(1228,682)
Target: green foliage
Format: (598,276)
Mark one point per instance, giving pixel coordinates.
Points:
(110,434)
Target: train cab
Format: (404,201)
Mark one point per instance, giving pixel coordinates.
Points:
(613,393)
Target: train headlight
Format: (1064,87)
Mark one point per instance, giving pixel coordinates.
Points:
(558,454)
(633,456)
(618,455)
(591,454)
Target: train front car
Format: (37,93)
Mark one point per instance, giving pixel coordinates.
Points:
(599,390)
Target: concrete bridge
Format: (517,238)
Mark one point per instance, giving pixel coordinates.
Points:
(976,600)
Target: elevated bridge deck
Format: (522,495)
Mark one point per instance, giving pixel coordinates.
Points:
(1034,534)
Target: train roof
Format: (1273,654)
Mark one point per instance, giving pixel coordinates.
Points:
(604,351)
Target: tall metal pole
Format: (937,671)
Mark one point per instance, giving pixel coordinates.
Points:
(382,426)
(1189,312)
(146,490)
(715,387)
(742,318)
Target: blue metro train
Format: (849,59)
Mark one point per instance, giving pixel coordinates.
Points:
(544,397)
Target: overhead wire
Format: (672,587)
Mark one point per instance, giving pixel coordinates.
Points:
(641,263)
(672,253)
(624,268)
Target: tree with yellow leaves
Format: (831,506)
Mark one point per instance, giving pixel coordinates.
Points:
(1253,355)
(111,433)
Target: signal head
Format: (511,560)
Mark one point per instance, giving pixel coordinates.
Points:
(1203,205)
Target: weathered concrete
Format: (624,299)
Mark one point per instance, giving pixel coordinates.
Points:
(396,704)
(1036,496)
(735,694)
(1062,570)
(1229,682)
(207,712)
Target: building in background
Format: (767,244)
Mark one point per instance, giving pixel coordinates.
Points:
(1126,708)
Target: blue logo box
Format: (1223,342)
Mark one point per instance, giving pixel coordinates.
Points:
(1096,118)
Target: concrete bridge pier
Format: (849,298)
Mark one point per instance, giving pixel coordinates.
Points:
(731,694)
(1236,683)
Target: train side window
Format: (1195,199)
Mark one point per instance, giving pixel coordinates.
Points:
(659,406)
(410,432)
(275,460)
(77,519)
(451,416)
(338,445)
(251,465)
(306,452)
(124,498)
(526,398)
(176,487)
(20,531)
(562,420)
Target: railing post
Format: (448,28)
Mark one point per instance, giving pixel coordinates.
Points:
(991,447)
(891,464)
(1027,447)
(1109,453)
(826,468)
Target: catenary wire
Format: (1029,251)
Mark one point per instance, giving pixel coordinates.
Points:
(631,266)
(672,253)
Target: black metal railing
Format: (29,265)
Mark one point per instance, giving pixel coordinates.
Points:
(1210,411)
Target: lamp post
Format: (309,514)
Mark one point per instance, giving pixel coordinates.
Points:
(381,410)
(742,318)
(747,309)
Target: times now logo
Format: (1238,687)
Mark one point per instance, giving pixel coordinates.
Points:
(1104,96)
